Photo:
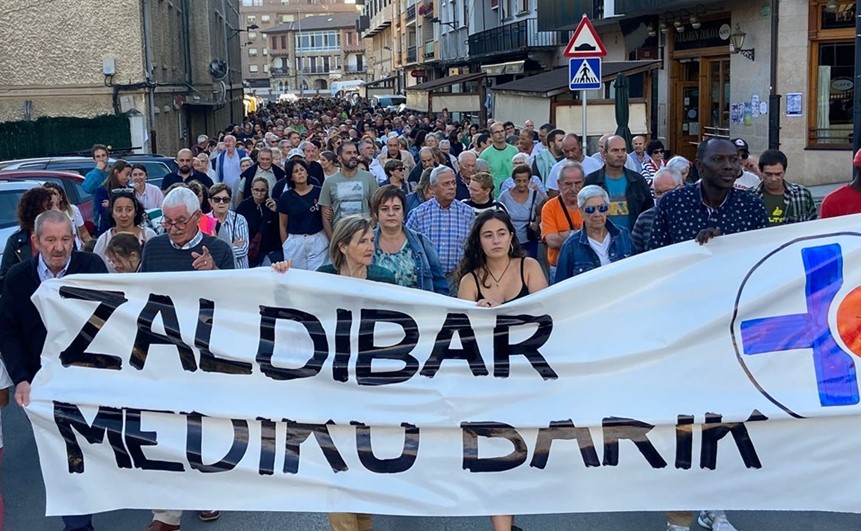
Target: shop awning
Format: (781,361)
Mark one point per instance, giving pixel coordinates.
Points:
(513,67)
(642,7)
(556,81)
(380,82)
(445,82)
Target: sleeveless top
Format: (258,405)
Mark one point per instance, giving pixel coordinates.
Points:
(524,290)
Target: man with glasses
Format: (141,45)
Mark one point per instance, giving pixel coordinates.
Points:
(628,190)
(747,179)
(183,247)
(499,156)
(665,181)
(560,216)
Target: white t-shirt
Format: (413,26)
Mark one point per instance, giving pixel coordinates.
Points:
(602,249)
(747,181)
(5,383)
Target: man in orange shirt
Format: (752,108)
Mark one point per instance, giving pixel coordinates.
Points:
(560,216)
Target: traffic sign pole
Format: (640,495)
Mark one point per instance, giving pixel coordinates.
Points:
(583,142)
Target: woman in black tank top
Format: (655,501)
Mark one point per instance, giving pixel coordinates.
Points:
(495,270)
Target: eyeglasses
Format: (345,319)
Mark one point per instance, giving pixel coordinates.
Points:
(657,152)
(180,225)
(221,199)
(599,208)
(260,190)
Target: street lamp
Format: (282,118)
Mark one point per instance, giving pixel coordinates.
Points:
(236,31)
(736,44)
(436,20)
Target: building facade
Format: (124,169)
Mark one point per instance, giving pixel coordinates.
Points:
(171,69)
(258,72)
(309,55)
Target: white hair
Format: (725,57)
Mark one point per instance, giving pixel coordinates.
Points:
(675,175)
(523,156)
(202,138)
(464,154)
(182,196)
(679,163)
(52,216)
(439,170)
(482,165)
(590,191)
(444,144)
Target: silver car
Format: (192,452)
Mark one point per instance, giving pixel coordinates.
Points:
(10,195)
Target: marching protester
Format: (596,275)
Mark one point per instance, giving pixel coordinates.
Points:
(300,219)
(666,180)
(628,191)
(123,253)
(481,194)
(118,179)
(149,195)
(408,254)
(97,175)
(127,216)
(23,333)
(229,226)
(560,216)
(785,202)
(523,203)
(845,200)
(598,243)
(261,213)
(61,203)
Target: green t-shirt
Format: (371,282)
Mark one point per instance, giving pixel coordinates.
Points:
(349,195)
(499,161)
(775,207)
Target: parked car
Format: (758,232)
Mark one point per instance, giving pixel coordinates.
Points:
(157,166)
(10,196)
(71,182)
(389,102)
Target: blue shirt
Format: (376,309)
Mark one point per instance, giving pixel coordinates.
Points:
(616,189)
(682,214)
(447,228)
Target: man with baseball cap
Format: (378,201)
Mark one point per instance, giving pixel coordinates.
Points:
(747,180)
(845,200)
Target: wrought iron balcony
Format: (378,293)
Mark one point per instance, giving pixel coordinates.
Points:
(411,13)
(516,36)
(279,72)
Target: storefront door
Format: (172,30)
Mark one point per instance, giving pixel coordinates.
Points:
(716,111)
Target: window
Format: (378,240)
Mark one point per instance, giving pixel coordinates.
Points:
(266,68)
(252,3)
(287,18)
(284,42)
(265,51)
(274,43)
(317,41)
(522,6)
(252,34)
(265,18)
(251,19)
(252,52)
(832,73)
(253,69)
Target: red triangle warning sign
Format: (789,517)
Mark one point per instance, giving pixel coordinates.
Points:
(585,42)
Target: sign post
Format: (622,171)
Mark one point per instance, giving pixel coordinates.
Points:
(584,50)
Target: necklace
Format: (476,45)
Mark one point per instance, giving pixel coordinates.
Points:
(489,272)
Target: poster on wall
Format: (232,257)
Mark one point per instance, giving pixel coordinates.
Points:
(793,104)
(735,114)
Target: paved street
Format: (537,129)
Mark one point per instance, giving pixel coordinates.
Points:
(25,505)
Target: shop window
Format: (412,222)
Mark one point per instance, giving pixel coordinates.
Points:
(832,72)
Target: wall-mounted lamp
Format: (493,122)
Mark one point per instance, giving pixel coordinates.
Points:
(650,29)
(695,22)
(832,6)
(679,25)
(663,27)
(238,31)
(736,44)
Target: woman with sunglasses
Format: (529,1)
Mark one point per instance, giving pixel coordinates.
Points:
(229,226)
(654,161)
(117,179)
(127,216)
(598,243)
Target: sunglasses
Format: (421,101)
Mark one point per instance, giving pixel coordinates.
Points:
(744,155)
(221,199)
(592,209)
(657,151)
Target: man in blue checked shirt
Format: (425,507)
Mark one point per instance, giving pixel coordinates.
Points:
(445,221)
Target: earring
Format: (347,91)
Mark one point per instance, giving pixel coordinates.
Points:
(511,248)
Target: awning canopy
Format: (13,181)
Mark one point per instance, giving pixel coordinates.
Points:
(513,67)
(445,82)
(380,82)
(556,81)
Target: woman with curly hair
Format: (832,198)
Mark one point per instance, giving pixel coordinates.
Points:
(61,204)
(18,246)
(494,268)
(127,216)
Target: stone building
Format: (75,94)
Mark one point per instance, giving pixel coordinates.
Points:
(172,67)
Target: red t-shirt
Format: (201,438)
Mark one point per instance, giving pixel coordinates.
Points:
(841,202)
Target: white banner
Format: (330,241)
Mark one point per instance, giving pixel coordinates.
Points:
(694,376)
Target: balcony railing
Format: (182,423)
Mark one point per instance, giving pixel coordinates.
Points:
(515,36)
(411,13)
(279,72)
(429,52)
(411,54)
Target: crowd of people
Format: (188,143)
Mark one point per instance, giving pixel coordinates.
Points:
(488,213)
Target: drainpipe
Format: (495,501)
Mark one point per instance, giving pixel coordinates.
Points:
(773,96)
(150,82)
(228,93)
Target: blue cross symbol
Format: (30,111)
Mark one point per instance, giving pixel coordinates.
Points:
(835,369)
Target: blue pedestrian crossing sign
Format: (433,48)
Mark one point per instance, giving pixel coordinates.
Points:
(584,73)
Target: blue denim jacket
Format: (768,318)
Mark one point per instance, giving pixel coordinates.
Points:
(430,274)
(576,256)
